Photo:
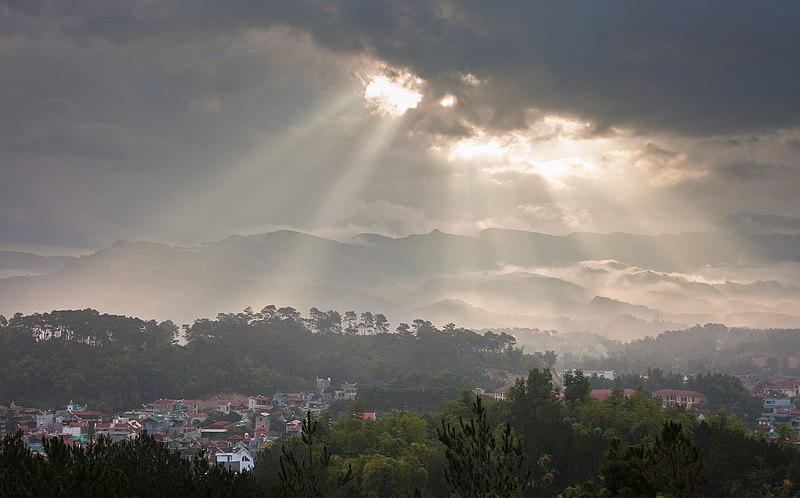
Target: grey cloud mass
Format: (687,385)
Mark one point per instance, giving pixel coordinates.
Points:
(186,121)
(689,67)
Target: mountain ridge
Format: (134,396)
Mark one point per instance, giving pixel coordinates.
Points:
(500,271)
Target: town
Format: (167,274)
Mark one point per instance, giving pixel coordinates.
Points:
(232,430)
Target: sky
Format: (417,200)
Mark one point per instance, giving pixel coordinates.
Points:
(187,121)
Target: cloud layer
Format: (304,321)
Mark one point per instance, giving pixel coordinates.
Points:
(187,121)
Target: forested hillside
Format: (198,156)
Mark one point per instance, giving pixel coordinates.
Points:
(116,362)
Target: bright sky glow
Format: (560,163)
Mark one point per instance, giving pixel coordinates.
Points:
(535,152)
(566,126)
(479,147)
(448,101)
(558,171)
(393,96)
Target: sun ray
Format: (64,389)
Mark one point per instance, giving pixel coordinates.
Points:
(393,96)
(267,163)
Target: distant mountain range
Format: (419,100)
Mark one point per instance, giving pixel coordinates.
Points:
(13,263)
(620,285)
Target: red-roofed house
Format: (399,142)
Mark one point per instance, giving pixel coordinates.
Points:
(686,399)
(117,432)
(789,388)
(165,405)
(795,418)
(604,394)
(257,402)
(216,446)
(215,430)
(294,428)
(195,417)
(26,425)
(189,405)
(89,415)
(500,393)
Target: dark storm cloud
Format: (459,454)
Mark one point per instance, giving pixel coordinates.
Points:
(682,67)
(686,67)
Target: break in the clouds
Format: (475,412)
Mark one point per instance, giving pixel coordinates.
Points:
(185,121)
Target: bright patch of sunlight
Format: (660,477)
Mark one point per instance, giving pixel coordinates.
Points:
(484,146)
(557,171)
(565,126)
(448,101)
(555,161)
(393,96)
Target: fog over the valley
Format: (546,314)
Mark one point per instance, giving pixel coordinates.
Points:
(499,279)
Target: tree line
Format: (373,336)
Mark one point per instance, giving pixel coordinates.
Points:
(115,362)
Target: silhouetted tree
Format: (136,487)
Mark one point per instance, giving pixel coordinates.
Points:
(481,464)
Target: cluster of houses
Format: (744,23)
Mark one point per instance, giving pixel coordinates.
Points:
(777,412)
(764,387)
(779,402)
(686,399)
(669,397)
(779,398)
(231,431)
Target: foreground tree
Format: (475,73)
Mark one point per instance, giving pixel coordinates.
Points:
(304,476)
(668,467)
(141,467)
(481,464)
(576,386)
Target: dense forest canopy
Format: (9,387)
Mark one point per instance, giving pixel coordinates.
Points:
(117,362)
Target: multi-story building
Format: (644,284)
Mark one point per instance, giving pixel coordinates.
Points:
(686,399)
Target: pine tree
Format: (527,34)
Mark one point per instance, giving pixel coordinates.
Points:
(303,476)
(479,463)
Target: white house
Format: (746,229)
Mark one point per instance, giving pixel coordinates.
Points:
(348,391)
(45,421)
(74,429)
(238,461)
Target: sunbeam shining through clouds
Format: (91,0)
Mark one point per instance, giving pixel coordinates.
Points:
(393,96)
(433,152)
